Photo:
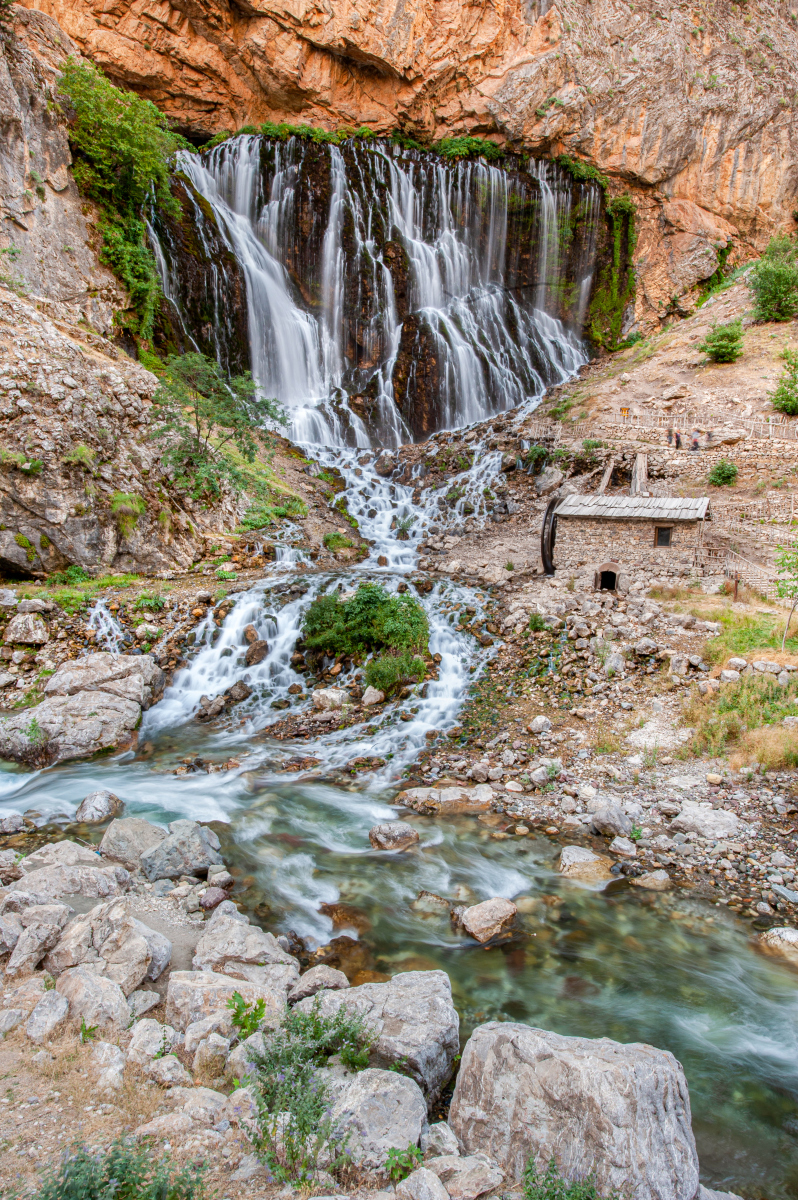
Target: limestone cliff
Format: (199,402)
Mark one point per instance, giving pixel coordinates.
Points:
(690,106)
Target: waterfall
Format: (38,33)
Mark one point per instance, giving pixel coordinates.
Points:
(389,293)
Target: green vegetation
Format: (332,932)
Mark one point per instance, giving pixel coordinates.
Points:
(203,420)
(536,623)
(71,576)
(372,619)
(127,507)
(583,171)
(616,283)
(745,717)
(467,147)
(152,601)
(785,397)
(123,147)
(125,1171)
(744,634)
(774,281)
(14,458)
(787,585)
(87,1032)
(336,541)
(26,545)
(387,672)
(81,455)
(401,1163)
(593,444)
(552,1186)
(723,474)
(536,458)
(283,131)
(724,343)
(292,1123)
(246,1018)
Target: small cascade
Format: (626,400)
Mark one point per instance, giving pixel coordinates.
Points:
(388,293)
(109,634)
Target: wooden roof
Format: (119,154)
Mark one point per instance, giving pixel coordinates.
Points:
(635,508)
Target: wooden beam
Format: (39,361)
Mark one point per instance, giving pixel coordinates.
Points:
(605,478)
(639,474)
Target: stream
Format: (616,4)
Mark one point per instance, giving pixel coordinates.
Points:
(663,968)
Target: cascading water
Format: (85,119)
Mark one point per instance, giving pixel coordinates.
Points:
(391,294)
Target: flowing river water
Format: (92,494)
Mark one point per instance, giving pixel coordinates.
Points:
(663,968)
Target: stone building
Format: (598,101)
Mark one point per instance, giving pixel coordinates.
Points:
(616,537)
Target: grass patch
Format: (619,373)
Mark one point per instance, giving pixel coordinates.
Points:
(387,672)
(745,717)
(551,1185)
(742,635)
(336,541)
(127,507)
(608,743)
(152,601)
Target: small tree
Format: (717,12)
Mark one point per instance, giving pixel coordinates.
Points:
(774,281)
(785,397)
(723,474)
(787,584)
(200,414)
(724,343)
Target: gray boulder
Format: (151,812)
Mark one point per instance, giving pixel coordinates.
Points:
(141,1002)
(46,914)
(468,1176)
(421,1185)
(48,883)
(393,835)
(210,1057)
(95,1000)
(314,980)
(160,948)
(439,1140)
(99,806)
(414,1021)
(611,821)
(68,727)
(106,940)
(621,1112)
(126,839)
(63,854)
(230,941)
(378,1110)
(150,1038)
(706,821)
(10,930)
(10,1018)
(189,849)
(193,995)
(32,945)
(136,678)
(27,629)
(48,1017)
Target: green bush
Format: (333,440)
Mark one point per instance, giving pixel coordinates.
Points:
(723,474)
(292,1122)
(372,619)
(386,672)
(536,458)
(336,541)
(123,148)
(785,397)
(536,624)
(125,1171)
(153,601)
(81,455)
(204,419)
(465,147)
(401,1163)
(724,343)
(127,507)
(68,578)
(552,1186)
(774,281)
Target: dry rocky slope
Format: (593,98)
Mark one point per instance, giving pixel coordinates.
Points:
(691,107)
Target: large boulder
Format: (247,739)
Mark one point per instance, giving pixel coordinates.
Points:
(66,727)
(620,1112)
(189,849)
(48,883)
(48,1017)
(193,995)
(150,1038)
(159,946)
(99,806)
(127,838)
(414,1021)
(32,945)
(379,1110)
(577,862)
(449,801)
(706,821)
(422,1184)
(137,678)
(315,980)
(466,1176)
(27,629)
(64,854)
(107,941)
(611,821)
(486,920)
(93,999)
(228,940)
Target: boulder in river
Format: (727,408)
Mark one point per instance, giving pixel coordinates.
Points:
(64,727)
(486,920)
(620,1112)
(577,862)
(447,800)
(393,835)
(327,699)
(413,1018)
(188,849)
(782,942)
(99,806)
(256,652)
(126,839)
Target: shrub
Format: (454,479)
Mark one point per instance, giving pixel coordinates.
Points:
(153,601)
(536,458)
(552,1186)
(465,147)
(386,672)
(724,343)
(292,1125)
(536,623)
(200,414)
(246,1018)
(68,578)
(81,456)
(774,281)
(723,474)
(127,507)
(785,397)
(123,148)
(593,444)
(401,1163)
(125,1171)
(336,541)
(372,619)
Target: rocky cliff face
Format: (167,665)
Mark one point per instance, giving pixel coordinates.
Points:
(693,109)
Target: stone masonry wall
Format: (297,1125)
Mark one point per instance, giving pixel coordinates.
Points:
(584,542)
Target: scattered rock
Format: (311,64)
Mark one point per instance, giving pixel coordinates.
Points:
(48,1017)
(26,629)
(466,1177)
(486,920)
(393,835)
(32,945)
(210,1057)
(372,696)
(655,881)
(192,995)
(68,727)
(10,1018)
(439,1140)
(142,1002)
(136,678)
(98,806)
(611,821)
(48,883)
(95,1000)
(423,1184)
(539,725)
(228,941)
(782,942)
(327,699)
(106,939)
(524,1092)
(715,823)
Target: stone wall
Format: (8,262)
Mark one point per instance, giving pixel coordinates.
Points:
(589,543)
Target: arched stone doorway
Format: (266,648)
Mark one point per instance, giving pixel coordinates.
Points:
(606,577)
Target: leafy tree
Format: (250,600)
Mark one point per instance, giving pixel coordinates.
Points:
(123,149)
(774,281)
(201,413)
(724,343)
(723,474)
(785,397)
